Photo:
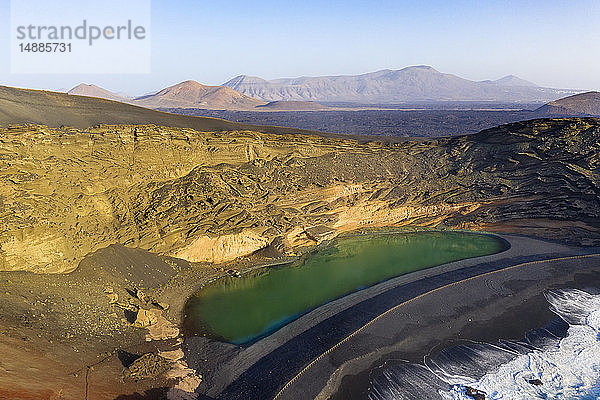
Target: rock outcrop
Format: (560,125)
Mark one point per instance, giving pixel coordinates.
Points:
(223,248)
(213,197)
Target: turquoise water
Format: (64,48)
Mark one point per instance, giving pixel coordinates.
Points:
(239,310)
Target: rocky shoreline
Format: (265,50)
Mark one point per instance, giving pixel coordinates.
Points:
(118,320)
(110,328)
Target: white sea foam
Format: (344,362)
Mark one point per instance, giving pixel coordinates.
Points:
(568,370)
(547,365)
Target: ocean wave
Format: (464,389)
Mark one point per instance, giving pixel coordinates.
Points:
(560,361)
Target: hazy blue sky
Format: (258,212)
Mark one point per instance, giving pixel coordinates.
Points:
(552,43)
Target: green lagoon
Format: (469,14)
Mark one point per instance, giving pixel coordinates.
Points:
(240,310)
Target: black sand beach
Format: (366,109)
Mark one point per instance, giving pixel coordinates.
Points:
(329,352)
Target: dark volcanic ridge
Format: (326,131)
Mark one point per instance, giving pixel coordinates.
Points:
(54,109)
(584,104)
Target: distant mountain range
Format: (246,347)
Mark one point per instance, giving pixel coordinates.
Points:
(407,85)
(188,94)
(411,84)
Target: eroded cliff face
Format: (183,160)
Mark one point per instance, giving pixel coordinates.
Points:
(223,248)
(213,197)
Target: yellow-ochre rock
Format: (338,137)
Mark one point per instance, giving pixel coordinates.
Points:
(213,197)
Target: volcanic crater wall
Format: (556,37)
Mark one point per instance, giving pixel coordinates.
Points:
(216,196)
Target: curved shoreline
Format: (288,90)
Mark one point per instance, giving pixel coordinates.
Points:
(229,372)
(306,338)
(450,285)
(393,253)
